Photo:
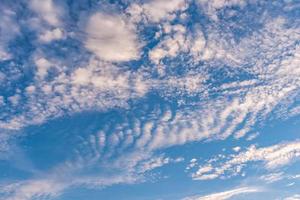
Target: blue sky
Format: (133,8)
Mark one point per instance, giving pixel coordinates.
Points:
(149,100)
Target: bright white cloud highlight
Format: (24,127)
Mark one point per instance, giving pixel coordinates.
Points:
(111,38)
(225,195)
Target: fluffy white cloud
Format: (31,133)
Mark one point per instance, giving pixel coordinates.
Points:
(156,10)
(52,35)
(111,38)
(225,195)
(47,10)
(42,65)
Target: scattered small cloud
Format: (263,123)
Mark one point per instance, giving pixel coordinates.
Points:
(51,35)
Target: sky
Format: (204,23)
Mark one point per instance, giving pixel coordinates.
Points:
(149,99)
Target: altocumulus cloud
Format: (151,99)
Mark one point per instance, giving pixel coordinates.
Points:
(175,72)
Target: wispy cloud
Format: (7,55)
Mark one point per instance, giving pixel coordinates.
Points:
(9,29)
(272,157)
(294,197)
(35,189)
(273,177)
(225,195)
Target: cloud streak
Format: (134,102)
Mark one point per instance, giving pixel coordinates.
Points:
(272,157)
(225,195)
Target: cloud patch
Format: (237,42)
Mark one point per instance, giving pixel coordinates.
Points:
(111,38)
(47,10)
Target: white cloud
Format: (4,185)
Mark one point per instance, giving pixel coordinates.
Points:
(272,157)
(198,46)
(211,7)
(225,195)
(111,38)
(42,65)
(34,189)
(14,100)
(252,136)
(171,45)
(9,29)
(156,10)
(238,106)
(294,197)
(2,103)
(236,149)
(234,109)
(273,177)
(193,163)
(3,54)
(156,162)
(47,23)
(52,35)
(97,85)
(47,10)
(81,76)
